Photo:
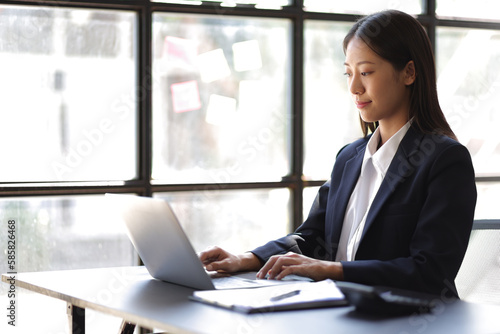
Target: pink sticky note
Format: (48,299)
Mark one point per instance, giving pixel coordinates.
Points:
(185,96)
(180,49)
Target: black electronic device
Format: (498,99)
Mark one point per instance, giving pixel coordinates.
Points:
(385,300)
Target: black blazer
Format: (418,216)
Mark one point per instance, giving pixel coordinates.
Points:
(418,226)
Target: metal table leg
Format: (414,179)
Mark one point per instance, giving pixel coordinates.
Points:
(127,327)
(76,317)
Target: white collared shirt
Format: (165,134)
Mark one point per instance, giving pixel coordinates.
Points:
(373,170)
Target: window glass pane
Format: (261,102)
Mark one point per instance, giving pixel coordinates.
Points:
(238,221)
(479,9)
(221,99)
(67,110)
(56,233)
(330,118)
(309,194)
(269,4)
(59,233)
(468,62)
(362,6)
(488,194)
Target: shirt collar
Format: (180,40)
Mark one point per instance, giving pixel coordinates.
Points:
(382,157)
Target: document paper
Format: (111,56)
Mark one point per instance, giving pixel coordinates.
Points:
(291,296)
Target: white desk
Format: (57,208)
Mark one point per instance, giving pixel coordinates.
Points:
(131,294)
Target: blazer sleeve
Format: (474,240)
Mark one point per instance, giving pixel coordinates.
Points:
(438,242)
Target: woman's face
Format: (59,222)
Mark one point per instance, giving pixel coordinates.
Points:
(379,91)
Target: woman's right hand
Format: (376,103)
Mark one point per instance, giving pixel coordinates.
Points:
(217,259)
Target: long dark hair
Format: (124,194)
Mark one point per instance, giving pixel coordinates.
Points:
(398,38)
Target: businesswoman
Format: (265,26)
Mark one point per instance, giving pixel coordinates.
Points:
(399,205)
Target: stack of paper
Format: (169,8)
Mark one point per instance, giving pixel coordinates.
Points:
(298,295)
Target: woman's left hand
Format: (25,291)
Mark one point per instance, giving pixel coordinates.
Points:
(279,266)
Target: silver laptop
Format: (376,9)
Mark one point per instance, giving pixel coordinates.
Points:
(165,249)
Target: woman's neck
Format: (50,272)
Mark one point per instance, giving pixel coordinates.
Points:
(388,129)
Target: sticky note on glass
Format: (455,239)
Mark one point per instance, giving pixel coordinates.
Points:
(247,56)
(185,96)
(213,65)
(220,110)
(180,49)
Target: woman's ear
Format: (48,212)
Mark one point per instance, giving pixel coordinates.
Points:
(410,73)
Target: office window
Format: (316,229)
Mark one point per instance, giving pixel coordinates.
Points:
(308,199)
(363,7)
(237,220)
(456,9)
(68,94)
(68,113)
(488,194)
(468,62)
(330,118)
(70,232)
(221,109)
(266,4)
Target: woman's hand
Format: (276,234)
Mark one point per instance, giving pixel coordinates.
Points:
(279,266)
(217,259)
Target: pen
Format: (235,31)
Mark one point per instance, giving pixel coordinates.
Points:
(285,295)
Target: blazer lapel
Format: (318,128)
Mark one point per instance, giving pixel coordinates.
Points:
(399,169)
(336,211)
